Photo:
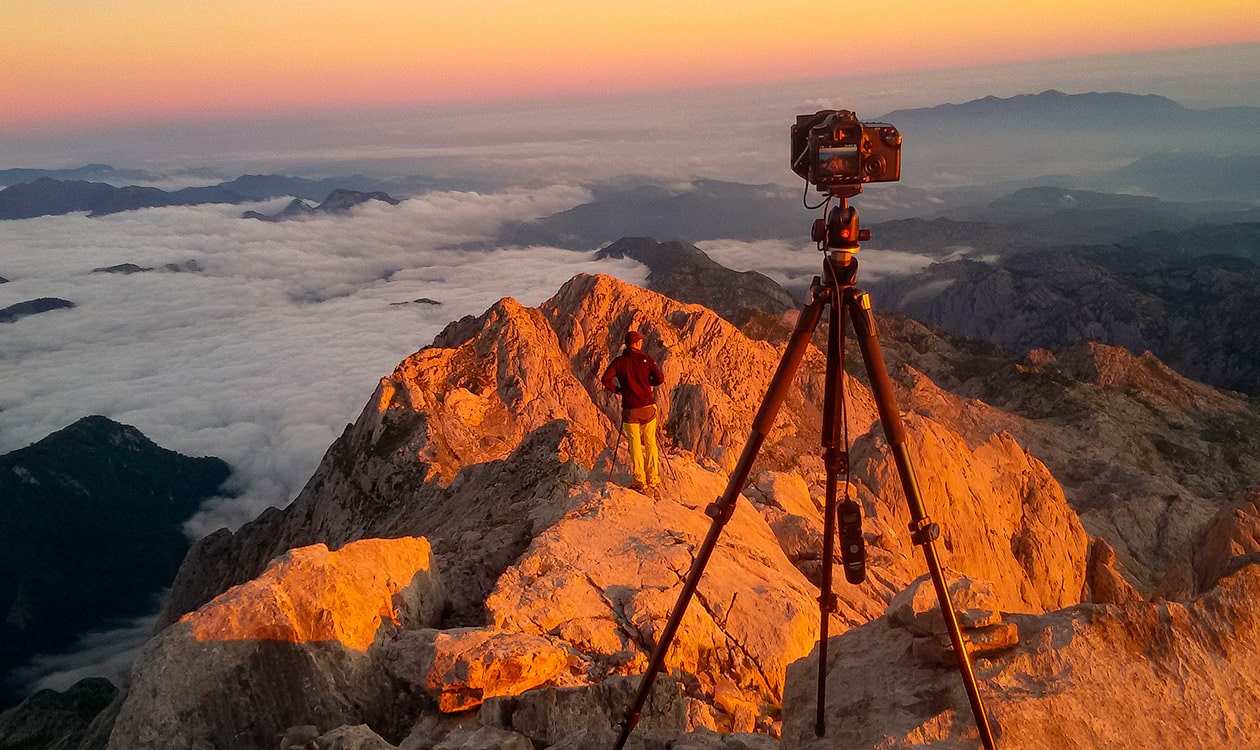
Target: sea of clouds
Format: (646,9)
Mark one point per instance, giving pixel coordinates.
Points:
(263,355)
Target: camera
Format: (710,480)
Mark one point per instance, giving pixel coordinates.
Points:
(836,152)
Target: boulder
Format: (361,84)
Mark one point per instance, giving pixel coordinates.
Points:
(576,718)
(289,649)
(460,668)
(357,737)
(313,594)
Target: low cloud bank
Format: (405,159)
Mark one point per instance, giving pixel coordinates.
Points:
(263,356)
(795,264)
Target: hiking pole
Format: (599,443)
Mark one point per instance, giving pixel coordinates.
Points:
(617,448)
(662,453)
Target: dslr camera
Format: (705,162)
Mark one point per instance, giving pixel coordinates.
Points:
(836,153)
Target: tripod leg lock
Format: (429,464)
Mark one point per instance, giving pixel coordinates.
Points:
(718,509)
(924,531)
(827,602)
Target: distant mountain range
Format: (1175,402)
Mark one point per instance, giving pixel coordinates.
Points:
(1090,111)
(50,197)
(1200,315)
(87,172)
(705,209)
(1166,150)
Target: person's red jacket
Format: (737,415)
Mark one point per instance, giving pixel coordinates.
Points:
(632,375)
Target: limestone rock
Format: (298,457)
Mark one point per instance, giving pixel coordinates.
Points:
(1144,455)
(708,740)
(918,610)
(462,667)
(311,594)
(1103,583)
(496,443)
(1232,533)
(576,718)
(1140,674)
(1002,515)
(299,737)
(357,737)
(292,648)
(485,738)
(606,577)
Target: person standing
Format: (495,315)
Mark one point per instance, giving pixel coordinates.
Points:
(632,376)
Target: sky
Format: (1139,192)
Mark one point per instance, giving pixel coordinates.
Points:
(71,64)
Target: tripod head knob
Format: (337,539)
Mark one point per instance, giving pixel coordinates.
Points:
(841,230)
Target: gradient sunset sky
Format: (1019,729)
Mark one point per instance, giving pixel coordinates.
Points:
(76,64)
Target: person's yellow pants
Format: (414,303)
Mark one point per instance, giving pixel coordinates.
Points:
(644,459)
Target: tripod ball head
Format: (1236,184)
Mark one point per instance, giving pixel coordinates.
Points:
(841,230)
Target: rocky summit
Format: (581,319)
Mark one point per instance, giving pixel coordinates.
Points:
(467,569)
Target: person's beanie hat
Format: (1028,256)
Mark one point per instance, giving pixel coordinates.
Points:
(633,337)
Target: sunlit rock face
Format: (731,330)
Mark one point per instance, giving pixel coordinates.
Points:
(311,595)
(1228,541)
(1169,674)
(499,447)
(292,647)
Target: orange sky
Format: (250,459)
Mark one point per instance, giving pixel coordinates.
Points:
(75,63)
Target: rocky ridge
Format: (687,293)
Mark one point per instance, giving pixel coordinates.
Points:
(496,445)
(1198,314)
(1144,455)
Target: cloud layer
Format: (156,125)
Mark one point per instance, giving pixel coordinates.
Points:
(263,356)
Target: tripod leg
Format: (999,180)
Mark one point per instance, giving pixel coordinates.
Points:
(722,509)
(923,531)
(831,458)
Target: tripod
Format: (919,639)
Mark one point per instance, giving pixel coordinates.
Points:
(838,238)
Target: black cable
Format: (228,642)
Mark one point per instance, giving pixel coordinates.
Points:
(805,198)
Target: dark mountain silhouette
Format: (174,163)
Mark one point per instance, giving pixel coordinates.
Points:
(126,269)
(685,273)
(89,172)
(708,209)
(338,202)
(1056,110)
(58,721)
(1075,140)
(90,530)
(1188,175)
(33,307)
(46,196)
(1041,217)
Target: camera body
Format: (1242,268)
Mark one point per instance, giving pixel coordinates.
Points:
(836,152)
